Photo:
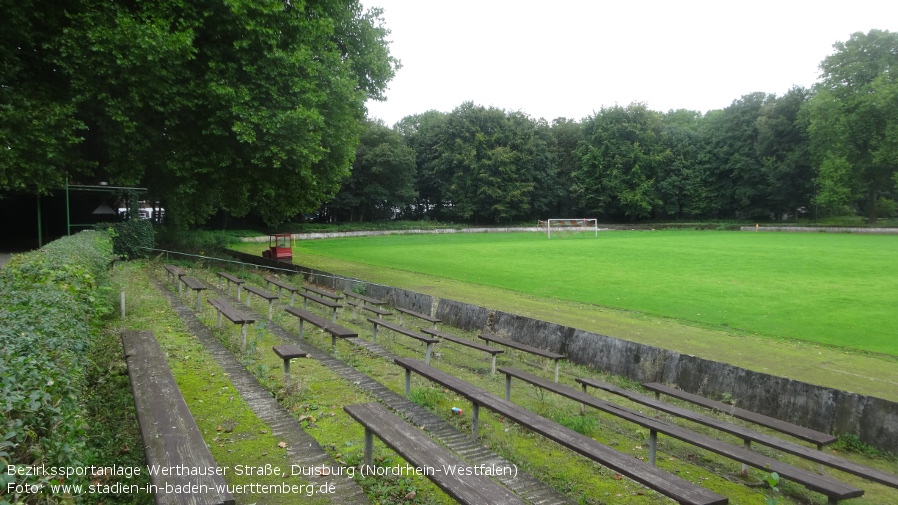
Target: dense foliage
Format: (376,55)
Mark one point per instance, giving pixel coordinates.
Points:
(52,301)
(247,107)
(830,150)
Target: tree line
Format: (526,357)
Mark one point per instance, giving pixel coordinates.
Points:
(255,108)
(828,150)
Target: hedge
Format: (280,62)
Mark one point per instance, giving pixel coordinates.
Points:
(52,303)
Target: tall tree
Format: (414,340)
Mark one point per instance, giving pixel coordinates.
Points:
(382,180)
(782,147)
(620,157)
(247,106)
(854,123)
(683,181)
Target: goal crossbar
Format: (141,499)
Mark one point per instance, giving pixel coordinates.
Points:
(569,225)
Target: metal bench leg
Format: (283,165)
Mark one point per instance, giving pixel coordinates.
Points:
(475,418)
(333,344)
(508,387)
(653,446)
(292,297)
(248,302)
(747,444)
(219,283)
(199,301)
(219,319)
(270,302)
(239,291)
(179,285)
(408,381)
(556,371)
(493,365)
(369,447)
(427,355)
(286,368)
(243,335)
(300,329)
(583,405)
(375,333)
(334,316)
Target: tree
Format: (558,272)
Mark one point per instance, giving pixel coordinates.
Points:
(382,179)
(566,135)
(782,147)
(483,164)
(424,134)
(247,107)
(853,123)
(683,181)
(621,154)
(738,183)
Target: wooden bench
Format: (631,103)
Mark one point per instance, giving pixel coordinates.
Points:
(230,278)
(323,292)
(175,273)
(356,306)
(288,352)
(831,488)
(281,285)
(261,293)
(306,297)
(364,299)
(748,435)
(652,477)
(421,451)
(197,286)
(336,331)
(170,435)
(432,320)
(492,351)
(800,432)
(407,332)
(526,348)
(233,315)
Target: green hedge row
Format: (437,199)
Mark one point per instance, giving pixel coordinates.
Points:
(52,303)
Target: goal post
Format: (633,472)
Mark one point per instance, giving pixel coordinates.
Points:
(566,227)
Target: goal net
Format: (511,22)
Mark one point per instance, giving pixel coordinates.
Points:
(569,227)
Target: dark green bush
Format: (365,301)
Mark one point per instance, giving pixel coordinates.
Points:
(52,302)
(132,238)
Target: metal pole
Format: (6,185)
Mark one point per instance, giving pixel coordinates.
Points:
(122,303)
(68,215)
(40,234)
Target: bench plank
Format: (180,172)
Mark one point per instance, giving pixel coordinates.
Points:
(334,330)
(287,352)
(363,298)
(796,431)
(432,320)
(321,301)
(233,315)
(323,292)
(261,293)
(422,452)
(405,331)
(832,488)
(526,348)
(281,285)
(230,278)
(170,435)
(197,286)
(492,351)
(652,477)
(817,456)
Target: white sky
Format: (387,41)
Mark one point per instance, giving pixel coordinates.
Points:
(569,58)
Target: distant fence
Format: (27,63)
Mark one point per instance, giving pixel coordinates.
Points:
(822,229)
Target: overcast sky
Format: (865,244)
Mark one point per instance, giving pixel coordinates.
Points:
(569,58)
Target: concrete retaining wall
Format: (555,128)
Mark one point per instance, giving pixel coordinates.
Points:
(873,420)
(822,229)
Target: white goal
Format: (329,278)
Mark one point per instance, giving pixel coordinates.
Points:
(568,227)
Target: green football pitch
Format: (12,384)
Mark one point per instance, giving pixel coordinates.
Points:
(835,289)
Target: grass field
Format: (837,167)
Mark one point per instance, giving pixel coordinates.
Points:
(833,289)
